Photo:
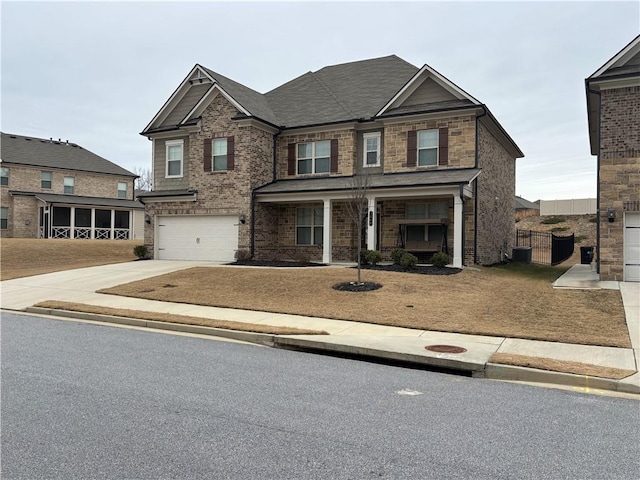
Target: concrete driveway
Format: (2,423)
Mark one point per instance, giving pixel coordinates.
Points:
(74,285)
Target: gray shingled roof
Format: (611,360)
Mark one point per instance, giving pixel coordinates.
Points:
(45,153)
(394,180)
(349,91)
(78,200)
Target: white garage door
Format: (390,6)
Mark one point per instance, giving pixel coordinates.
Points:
(197,237)
(632,247)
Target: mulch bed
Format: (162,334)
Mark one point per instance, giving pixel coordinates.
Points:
(357,286)
(420,269)
(278,263)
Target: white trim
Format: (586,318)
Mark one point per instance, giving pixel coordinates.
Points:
(327,232)
(457,231)
(206,100)
(620,58)
(366,136)
(313,158)
(610,84)
(412,85)
(437,147)
(172,143)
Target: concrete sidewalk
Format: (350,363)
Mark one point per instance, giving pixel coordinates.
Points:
(353,338)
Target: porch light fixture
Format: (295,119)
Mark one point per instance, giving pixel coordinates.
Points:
(147,219)
(611,214)
(243,218)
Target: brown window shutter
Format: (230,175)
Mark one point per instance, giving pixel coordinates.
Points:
(443,146)
(412,148)
(291,160)
(334,156)
(231,153)
(207,154)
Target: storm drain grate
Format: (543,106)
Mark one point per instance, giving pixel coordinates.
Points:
(445,349)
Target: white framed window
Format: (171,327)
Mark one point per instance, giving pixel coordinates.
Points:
(175,153)
(4,218)
(314,157)
(4,176)
(219,152)
(309,225)
(122,190)
(371,149)
(46,179)
(427,148)
(69,185)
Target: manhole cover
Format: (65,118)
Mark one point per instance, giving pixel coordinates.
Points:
(445,349)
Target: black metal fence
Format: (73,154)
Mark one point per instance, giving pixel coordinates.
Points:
(546,248)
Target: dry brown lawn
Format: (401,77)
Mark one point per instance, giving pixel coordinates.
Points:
(516,301)
(23,257)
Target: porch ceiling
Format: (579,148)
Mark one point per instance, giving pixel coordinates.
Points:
(80,200)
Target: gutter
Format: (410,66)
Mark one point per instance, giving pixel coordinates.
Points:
(475,197)
(598,94)
(461,193)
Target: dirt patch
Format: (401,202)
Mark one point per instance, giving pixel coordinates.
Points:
(24,257)
(182,319)
(553,365)
(512,301)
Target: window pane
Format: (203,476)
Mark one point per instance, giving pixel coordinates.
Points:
(438,210)
(372,143)
(220,163)
(304,166)
(416,210)
(174,168)
(121,219)
(174,152)
(303,235)
(4,176)
(45,179)
(318,216)
(83,217)
(317,236)
(428,138)
(220,146)
(428,157)
(103,218)
(323,149)
(322,165)
(303,216)
(372,158)
(122,190)
(304,150)
(4,213)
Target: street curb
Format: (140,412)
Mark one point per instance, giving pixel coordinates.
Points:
(489,371)
(495,371)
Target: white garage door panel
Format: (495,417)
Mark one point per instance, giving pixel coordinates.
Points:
(632,247)
(208,238)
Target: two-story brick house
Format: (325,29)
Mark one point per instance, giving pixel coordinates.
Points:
(57,189)
(613,105)
(272,173)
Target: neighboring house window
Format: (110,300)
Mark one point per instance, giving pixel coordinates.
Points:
(4,214)
(69,185)
(174,158)
(371,149)
(46,179)
(4,177)
(219,154)
(122,190)
(427,148)
(314,157)
(309,221)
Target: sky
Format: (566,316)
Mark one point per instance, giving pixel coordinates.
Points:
(96,73)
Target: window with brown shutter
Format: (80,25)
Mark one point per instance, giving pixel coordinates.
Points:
(443,146)
(207,154)
(231,157)
(412,148)
(334,155)
(291,159)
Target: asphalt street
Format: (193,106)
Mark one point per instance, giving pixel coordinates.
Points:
(88,401)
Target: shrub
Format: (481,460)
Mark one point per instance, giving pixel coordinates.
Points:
(140,251)
(579,238)
(440,259)
(396,255)
(559,229)
(372,257)
(552,220)
(408,261)
(242,255)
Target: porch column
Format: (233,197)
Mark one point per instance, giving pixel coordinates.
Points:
(113,222)
(326,231)
(92,235)
(72,223)
(457,231)
(372,228)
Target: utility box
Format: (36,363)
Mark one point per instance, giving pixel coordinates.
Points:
(586,255)
(521,254)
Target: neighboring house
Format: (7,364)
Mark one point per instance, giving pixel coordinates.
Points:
(271,174)
(523,205)
(613,105)
(57,189)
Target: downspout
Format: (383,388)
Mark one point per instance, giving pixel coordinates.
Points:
(598,94)
(475,199)
(463,222)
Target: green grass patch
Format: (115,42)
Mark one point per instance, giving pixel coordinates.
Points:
(552,220)
(579,238)
(559,229)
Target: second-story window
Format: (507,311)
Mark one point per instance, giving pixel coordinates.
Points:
(122,190)
(219,146)
(371,149)
(4,176)
(69,185)
(46,179)
(314,157)
(175,150)
(427,148)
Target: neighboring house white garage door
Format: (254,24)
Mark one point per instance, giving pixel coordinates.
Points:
(197,237)
(632,247)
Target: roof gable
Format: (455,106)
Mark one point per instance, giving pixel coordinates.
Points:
(627,57)
(44,153)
